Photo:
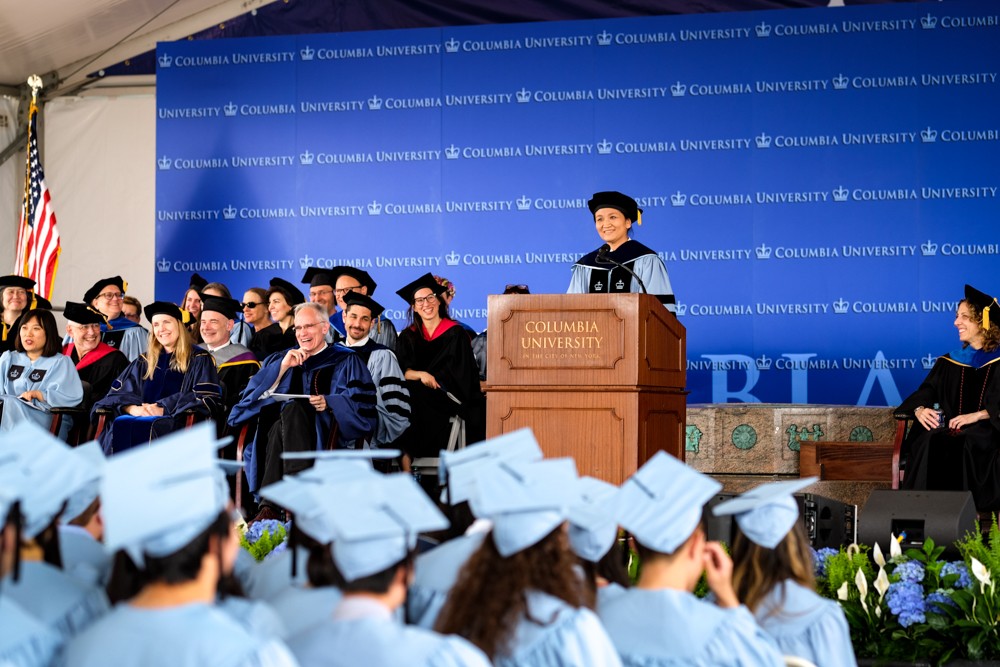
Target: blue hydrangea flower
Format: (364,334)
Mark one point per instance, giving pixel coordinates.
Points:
(276,550)
(906,602)
(820,559)
(959,568)
(257,529)
(911,570)
(937,600)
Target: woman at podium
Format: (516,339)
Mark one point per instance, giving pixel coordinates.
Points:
(622,264)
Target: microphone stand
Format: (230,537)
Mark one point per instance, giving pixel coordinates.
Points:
(602,258)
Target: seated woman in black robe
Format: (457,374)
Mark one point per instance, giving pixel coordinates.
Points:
(282,297)
(150,397)
(960,451)
(440,370)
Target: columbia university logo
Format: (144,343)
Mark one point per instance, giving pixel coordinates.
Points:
(163,265)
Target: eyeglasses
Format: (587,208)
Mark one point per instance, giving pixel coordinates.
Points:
(341,291)
(251,304)
(420,300)
(111,296)
(305,327)
(15,291)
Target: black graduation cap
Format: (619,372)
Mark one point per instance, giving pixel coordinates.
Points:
(96,288)
(316,277)
(355,299)
(81,313)
(292,293)
(17,281)
(197,283)
(427,280)
(41,302)
(612,199)
(360,275)
(220,304)
(163,308)
(982,301)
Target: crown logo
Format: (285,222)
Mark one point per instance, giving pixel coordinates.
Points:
(163,163)
(452,258)
(306,157)
(230,109)
(604,148)
(164,60)
(163,265)
(763,140)
(927,362)
(928,136)
(451,46)
(840,82)
(763,362)
(523,95)
(928,249)
(374,208)
(763,252)
(678,198)
(840,194)
(305,262)
(604,38)
(599,286)
(374,103)
(840,306)
(763,29)
(682,309)
(229,213)
(523,203)
(307,53)
(928,22)
(678,89)
(451,152)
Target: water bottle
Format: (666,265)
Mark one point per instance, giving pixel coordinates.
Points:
(940,415)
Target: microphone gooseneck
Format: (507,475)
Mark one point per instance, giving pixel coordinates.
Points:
(602,258)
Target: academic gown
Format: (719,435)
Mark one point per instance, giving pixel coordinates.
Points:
(98,368)
(190,635)
(236,365)
(806,625)
(258,618)
(25,641)
(125,335)
(336,373)
(653,628)
(270,578)
(54,376)
(434,575)
(272,339)
(591,277)
(197,390)
(84,558)
(9,333)
(393,397)
(302,608)
(961,382)
(62,603)
(241,334)
(364,632)
(447,355)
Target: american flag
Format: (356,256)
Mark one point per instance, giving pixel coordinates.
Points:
(38,245)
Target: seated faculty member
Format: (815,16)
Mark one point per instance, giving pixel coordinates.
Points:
(97,362)
(236,364)
(107,297)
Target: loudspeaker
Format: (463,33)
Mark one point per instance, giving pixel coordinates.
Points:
(828,522)
(718,528)
(944,516)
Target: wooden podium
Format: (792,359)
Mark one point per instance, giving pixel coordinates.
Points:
(599,377)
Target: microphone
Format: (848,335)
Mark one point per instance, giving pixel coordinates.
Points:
(602,258)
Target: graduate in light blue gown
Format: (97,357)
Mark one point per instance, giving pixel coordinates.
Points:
(82,527)
(436,570)
(373,537)
(520,597)
(660,621)
(773,576)
(165,506)
(52,474)
(593,536)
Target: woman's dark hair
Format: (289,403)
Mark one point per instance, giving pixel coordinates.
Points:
(758,570)
(612,568)
(53,342)
(490,596)
(373,583)
(13,518)
(48,541)
(320,570)
(991,336)
(414,319)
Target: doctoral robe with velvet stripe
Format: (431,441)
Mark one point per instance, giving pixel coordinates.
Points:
(590,276)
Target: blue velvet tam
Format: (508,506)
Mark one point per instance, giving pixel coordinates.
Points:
(378,520)
(51,473)
(460,469)
(766,513)
(94,462)
(593,519)
(157,499)
(662,503)
(525,500)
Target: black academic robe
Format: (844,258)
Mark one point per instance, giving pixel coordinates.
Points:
(447,356)
(98,368)
(969,459)
(272,339)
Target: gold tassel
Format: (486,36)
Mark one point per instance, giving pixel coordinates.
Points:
(638,217)
(986,316)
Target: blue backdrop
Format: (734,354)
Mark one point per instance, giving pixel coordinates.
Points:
(820,182)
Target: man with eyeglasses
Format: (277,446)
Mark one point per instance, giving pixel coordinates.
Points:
(298,396)
(97,363)
(328,287)
(107,296)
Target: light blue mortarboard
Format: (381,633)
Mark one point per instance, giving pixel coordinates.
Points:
(377,521)
(11,485)
(662,503)
(461,467)
(766,513)
(525,500)
(593,519)
(304,501)
(52,474)
(337,465)
(95,461)
(156,499)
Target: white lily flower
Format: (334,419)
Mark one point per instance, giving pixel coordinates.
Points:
(842,591)
(878,612)
(982,574)
(862,584)
(894,549)
(877,555)
(853,549)
(881,584)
